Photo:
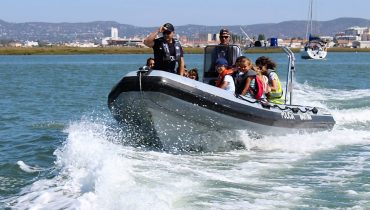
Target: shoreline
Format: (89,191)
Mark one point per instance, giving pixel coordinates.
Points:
(132,50)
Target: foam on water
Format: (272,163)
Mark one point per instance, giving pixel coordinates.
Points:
(27,168)
(352,116)
(307,95)
(305,90)
(309,142)
(94,174)
(95,171)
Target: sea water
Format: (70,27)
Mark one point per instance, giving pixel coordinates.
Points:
(60,148)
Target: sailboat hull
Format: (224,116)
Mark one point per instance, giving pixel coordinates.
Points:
(313,54)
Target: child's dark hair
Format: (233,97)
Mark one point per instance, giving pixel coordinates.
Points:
(265,61)
(148,60)
(194,72)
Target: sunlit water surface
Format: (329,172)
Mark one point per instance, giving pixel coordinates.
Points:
(61,149)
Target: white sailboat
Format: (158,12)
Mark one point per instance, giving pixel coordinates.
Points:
(315,47)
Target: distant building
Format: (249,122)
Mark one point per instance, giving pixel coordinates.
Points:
(327,38)
(355,31)
(15,44)
(115,40)
(361,44)
(209,38)
(351,37)
(292,43)
(31,44)
(78,44)
(345,40)
(344,43)
(204,37)
(366,35)
(104,41)
(114,33)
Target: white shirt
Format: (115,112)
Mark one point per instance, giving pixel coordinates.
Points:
(230,83)
(272,76)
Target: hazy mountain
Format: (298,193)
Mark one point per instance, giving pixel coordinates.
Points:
(94,31)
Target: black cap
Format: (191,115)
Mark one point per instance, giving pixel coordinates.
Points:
(224,32)
(169,27)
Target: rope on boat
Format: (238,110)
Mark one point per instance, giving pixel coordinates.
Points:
(267,105)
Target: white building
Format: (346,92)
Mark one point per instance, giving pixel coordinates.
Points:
(355,31)
(366,35)
(31,44)
(345,39)
(361,44)
(354,37)
(114,33)
(78,44)
(104,41)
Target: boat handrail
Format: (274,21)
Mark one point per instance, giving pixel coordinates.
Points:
(290,75)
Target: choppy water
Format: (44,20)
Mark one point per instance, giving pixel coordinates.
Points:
(61,149)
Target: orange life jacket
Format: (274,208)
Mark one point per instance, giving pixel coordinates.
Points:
(222,75)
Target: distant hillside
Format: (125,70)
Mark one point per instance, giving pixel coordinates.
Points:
(94,31)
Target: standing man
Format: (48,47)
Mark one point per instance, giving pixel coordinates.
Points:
(224,50)
(224,37)
(167,50)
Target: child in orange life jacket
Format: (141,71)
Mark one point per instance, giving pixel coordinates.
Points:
(248,83)
(225,79)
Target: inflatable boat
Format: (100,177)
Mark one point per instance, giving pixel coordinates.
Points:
(172,111)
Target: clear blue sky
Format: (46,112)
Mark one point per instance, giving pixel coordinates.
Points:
(179,12)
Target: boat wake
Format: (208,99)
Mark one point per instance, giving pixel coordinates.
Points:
(97,168)
(97,171)
(28,168)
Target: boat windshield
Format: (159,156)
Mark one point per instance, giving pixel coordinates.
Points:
(212,53)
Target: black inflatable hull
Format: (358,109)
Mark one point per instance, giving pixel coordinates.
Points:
(179,112)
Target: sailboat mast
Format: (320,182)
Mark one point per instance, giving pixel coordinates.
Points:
(309,20)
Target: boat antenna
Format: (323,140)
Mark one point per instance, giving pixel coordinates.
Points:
(245,33)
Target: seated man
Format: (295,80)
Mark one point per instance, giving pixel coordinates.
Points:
(225,79)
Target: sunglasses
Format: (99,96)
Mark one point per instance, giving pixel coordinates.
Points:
(167,32)
(224,37)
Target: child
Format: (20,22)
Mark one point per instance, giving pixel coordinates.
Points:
(225,79)
(193,74)
(248,82)
(267,66)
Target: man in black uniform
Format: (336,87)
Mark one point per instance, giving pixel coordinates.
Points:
(167,50)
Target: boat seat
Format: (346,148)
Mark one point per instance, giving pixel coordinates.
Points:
(212,82)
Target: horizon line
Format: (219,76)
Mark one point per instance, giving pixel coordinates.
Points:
(174,24)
